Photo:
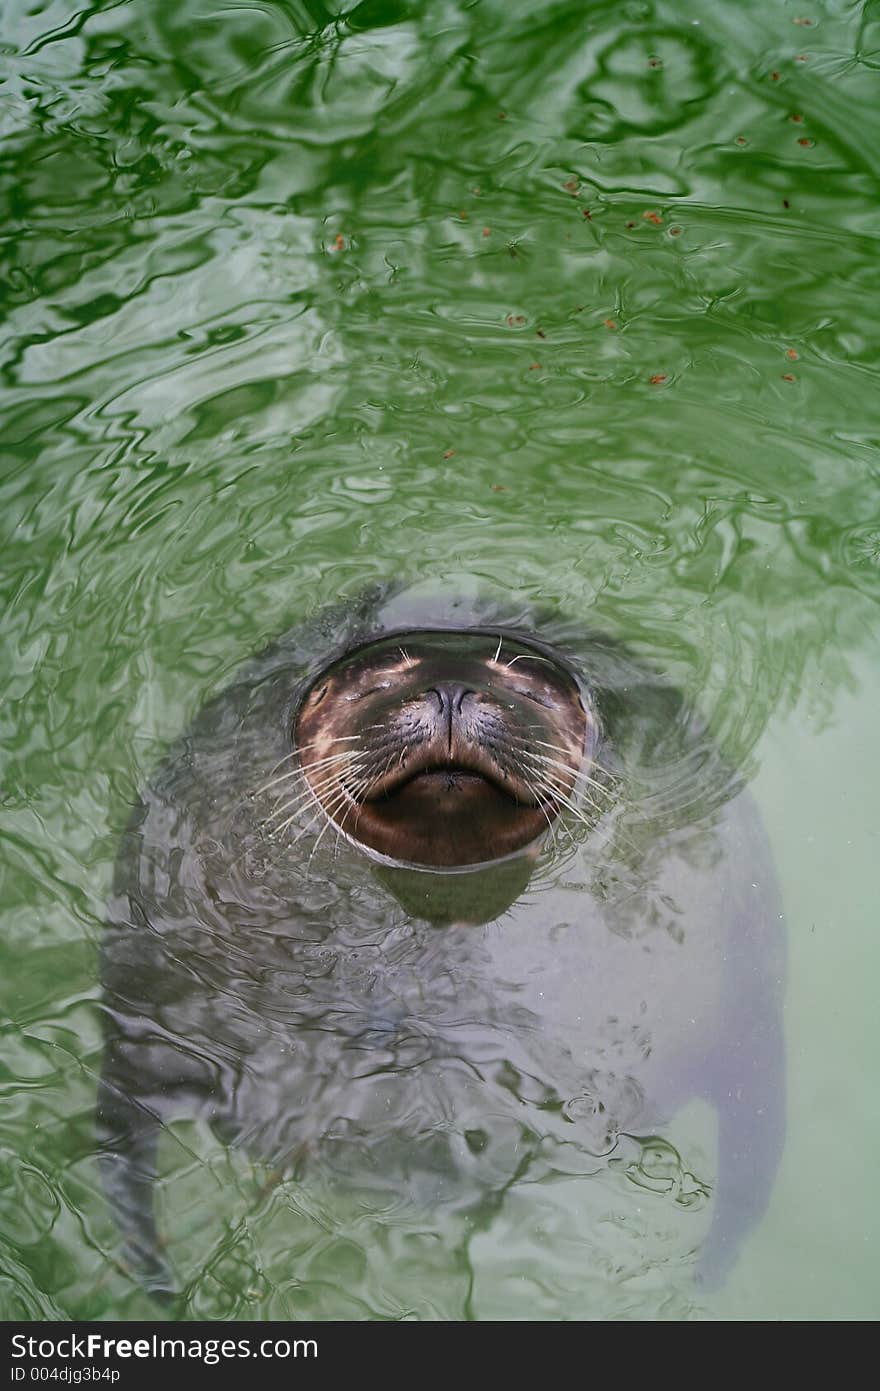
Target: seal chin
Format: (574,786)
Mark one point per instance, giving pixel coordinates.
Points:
(432,751)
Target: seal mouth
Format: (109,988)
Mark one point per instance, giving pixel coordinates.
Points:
(438,764)
(447,776)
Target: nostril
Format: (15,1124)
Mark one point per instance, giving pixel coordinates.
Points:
(449,696)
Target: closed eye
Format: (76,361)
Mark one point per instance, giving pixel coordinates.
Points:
(539,700)
(371,690)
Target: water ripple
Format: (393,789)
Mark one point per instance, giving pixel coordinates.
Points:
(298,297)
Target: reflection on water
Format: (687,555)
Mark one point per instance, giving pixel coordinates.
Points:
(580,299)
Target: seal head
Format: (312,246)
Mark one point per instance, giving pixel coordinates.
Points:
(444,749)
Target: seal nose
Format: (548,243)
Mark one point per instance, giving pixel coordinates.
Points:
(450,695)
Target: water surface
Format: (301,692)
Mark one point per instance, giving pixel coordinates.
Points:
(581,298)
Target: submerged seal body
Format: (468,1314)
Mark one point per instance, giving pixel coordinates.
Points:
(436,896)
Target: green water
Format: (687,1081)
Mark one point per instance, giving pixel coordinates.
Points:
(582,298)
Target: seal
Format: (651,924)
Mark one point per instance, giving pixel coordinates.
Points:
(439,895)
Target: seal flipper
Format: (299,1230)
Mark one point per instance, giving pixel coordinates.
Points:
(751,1131)
(128,1135)
(747,1069)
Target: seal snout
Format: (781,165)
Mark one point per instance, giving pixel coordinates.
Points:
(450,728)
(437,748)
(444,731)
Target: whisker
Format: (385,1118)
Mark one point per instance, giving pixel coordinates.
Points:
(316,788)
(375,778)
(330,821)
(577,775)
(277,765)
(294,813)
(301,772)
(581,772)
(295,803)
(354,801)
(301,748)
(348,754)
(559,796)
(279,831)
(337,739)
(551,821)
(321,807)
(553,782)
